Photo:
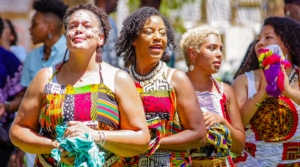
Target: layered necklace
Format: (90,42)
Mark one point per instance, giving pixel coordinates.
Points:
(149,78)
(293,77)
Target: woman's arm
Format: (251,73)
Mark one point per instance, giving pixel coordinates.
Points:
(24,132)
(236,126)
(134,137)
(190,116)
(248,107)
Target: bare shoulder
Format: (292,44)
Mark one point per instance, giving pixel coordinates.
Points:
(239,81)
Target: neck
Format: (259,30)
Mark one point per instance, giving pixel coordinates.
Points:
(48,45)
(144,69)
(201,82)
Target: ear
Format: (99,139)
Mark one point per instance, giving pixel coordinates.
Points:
(101,40)
(191,54)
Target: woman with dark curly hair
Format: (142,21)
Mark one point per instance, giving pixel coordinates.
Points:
(272,121)
(74,108)
(170,103)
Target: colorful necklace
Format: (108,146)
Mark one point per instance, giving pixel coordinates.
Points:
(149,78)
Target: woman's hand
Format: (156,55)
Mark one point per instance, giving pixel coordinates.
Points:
(211,118)
(76,128)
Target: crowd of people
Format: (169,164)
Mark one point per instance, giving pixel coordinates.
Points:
(69,98)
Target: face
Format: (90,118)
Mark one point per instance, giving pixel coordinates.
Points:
(209,56)
(268,37)
(294,10)
(39,28)
(83,31)
(152,39)
(7,34)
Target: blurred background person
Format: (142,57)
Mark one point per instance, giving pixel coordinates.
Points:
(292,9)
(108,53)
(10,41)
(11,93)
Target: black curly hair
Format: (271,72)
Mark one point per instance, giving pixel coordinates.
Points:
(57,7)
(1,26)
(288,30)
(100,13)
(132,26)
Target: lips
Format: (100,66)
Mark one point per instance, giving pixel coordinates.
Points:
(156,48)
(78,39)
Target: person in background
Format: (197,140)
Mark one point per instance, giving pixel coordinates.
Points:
(170,103)
(11,93)
(10,39)
(292,9)
(202,49)
(272,122)
(95,100)
(108,53)
(46,30)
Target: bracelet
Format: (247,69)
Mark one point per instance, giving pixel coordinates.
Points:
(102,138)
(258,104)
(6,106)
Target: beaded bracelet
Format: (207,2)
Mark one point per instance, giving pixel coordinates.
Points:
(102,138)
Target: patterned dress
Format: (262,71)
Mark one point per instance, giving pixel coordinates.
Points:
(159,100)
(93,104)
(219,138)
(273,134)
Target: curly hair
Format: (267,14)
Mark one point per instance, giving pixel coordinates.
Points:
(56,7)
(1,26)
(104,25)
(132,26)
(194,38)
(288,30)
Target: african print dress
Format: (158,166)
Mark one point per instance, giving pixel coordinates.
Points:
(93,104)
(273,134)
(216,152)
(159,101)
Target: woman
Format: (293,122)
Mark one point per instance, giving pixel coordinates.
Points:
(11,93)
(91,97)
(272,122)
(168,96)
(202,50)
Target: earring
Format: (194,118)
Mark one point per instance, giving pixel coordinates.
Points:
(191,67)
(49,35)
(99,55)
(288,13)
(286,56)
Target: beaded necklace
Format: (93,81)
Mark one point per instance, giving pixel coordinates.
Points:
(149,78)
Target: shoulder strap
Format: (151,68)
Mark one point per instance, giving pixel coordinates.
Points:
(170,74)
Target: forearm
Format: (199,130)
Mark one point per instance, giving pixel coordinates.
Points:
(30,141)
(126,143)
(238,138)
(293,94)
(13,105)
(184,140)
(250,107)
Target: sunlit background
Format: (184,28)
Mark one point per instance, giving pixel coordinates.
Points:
(238,20)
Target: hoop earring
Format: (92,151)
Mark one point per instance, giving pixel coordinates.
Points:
(191,67)
(99,55)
